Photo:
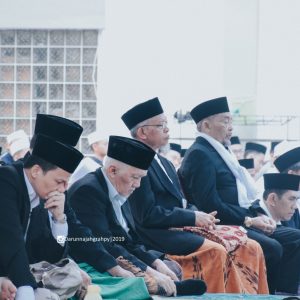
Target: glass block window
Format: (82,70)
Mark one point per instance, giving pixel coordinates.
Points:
(48,71)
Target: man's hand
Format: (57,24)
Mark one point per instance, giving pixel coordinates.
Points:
(118,271)
(7,288)
(55,202)
(206,220)
(163,281)
(161,267)
(264,223)
(86,281)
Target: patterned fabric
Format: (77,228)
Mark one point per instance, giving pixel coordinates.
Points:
(231,237)
(240,271)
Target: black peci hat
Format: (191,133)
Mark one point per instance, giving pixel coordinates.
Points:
(234,140)
(130,152)
(287,159)
(279,181)
(247,163)
(175,147)
(142,112)
(255,147)
(61,155)
(274,144)
(182,152)
(58,128)
(209,108)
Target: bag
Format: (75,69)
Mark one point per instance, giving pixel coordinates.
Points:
(231,237)
(62,278)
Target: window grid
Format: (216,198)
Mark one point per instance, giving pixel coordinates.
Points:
(47,71)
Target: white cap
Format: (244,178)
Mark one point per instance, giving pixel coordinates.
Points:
(284,147)
(87,165)
(94,137)
(19,134)
(19,145)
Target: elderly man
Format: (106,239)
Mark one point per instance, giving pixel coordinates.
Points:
(30,226)
(158,205)
(99,199)
(213,180)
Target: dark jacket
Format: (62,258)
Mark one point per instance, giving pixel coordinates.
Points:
(15,254)
(209,184)
(90,200)
(157,205)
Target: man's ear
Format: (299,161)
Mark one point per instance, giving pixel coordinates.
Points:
(112,171)
(272,199)
(35,171)
(141,133)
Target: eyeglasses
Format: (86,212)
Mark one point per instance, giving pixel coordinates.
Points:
(162,126)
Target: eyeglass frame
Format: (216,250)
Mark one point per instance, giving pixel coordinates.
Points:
(163,126)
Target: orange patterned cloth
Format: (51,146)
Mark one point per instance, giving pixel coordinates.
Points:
(240,271)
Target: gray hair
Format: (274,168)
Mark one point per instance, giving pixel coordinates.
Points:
(133,131)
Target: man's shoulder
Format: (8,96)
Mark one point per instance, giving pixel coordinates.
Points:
(11,171)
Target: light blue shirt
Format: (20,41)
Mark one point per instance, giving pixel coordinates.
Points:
(117,201)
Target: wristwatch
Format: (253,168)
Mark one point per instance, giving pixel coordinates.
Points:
(248,222)
(62,221)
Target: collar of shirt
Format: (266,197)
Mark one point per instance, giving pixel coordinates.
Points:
(112,192)
(33,196)
(265,208)
(161,165)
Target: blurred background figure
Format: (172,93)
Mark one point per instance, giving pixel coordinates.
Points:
(17,144)
(236,147)
(98,146)
(174,155)
(257,152)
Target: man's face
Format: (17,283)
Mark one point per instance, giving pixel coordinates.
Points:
(285,207)
(238,150)
(127,179)
(53,180)
(258,160)
(220,128)
(100,148)
(156,132)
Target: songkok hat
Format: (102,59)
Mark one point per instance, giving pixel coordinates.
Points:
(94,137)
(19,134)
(61,155)
(130,152)
(142,112)
(18,145)
(209,108)
(255,147)
(281,181)
(175,147)
(287,159)
(58,128)
(247,163)
(235,140)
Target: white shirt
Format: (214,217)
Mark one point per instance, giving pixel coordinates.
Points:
(117,201)
(57,229)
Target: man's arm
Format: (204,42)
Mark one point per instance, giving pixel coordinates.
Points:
(148,214)
(198,177)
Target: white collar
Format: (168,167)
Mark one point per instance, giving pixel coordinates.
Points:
(112,192)
(33,196)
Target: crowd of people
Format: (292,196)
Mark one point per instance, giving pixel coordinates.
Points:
(143,216)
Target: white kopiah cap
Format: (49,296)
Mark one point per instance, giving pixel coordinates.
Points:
(19,134)
(94,137)
(19,145)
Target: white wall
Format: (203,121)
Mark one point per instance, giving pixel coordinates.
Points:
(183,51)
(52,14)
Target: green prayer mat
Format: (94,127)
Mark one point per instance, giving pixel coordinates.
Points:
(223,297)
(117,288)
